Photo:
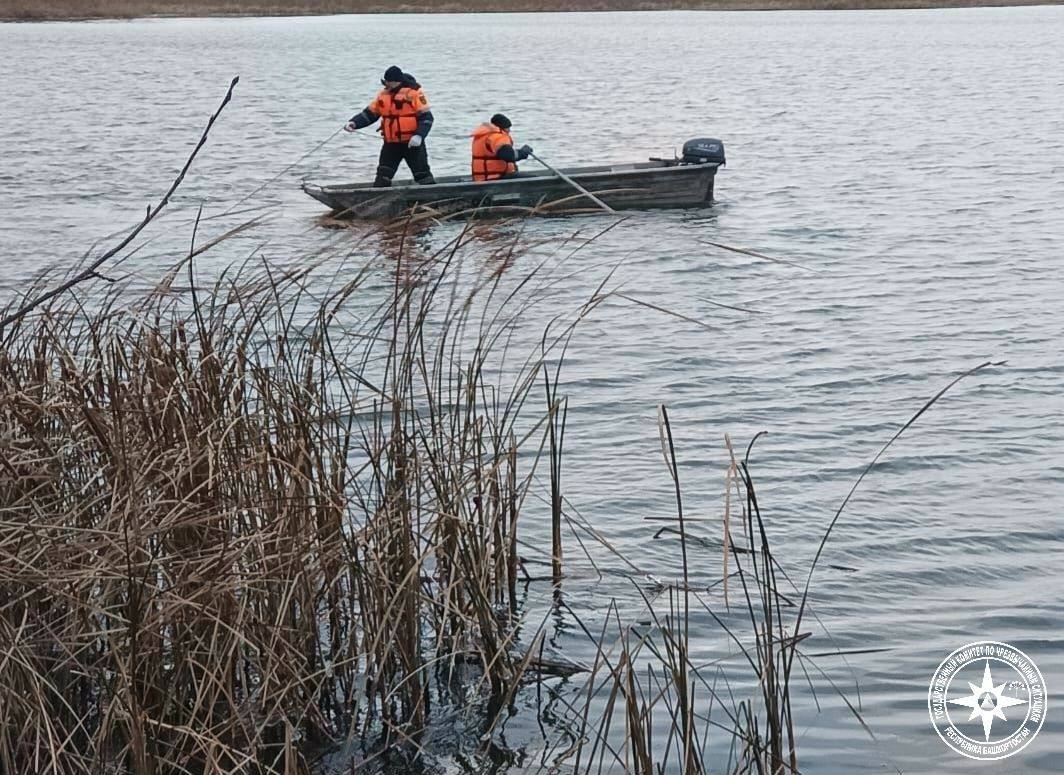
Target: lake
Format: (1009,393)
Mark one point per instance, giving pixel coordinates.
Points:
(908,164)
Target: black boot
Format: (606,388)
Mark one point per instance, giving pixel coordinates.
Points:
(384,176)
(425,180)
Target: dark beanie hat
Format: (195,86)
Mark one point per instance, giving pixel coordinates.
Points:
(501,121)
(393,73)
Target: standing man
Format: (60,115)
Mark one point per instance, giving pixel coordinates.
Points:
(403,110)
(494,156)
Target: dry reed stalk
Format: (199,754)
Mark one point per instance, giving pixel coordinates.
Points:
(729,477)
(556,435)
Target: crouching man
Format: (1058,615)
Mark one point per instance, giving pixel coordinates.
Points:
(494,156)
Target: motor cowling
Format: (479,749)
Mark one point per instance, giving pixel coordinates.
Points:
(703,150)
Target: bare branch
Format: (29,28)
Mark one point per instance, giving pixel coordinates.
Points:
(90,271)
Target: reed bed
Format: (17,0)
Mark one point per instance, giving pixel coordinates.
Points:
(237,531)
(273,525)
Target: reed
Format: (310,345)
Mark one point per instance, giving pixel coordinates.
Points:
(238,530)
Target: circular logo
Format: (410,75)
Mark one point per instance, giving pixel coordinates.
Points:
(987,700)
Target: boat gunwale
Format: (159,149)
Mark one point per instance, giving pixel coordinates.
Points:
(582,172)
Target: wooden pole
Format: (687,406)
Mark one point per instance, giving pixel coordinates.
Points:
(575,185)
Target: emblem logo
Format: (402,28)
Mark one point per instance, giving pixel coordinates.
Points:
(987,700)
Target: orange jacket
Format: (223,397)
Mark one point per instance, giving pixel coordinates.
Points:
(487,139)
(399,112)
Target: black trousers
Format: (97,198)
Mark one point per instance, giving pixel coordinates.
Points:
(417,159)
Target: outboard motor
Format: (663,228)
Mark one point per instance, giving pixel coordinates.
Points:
(703,150)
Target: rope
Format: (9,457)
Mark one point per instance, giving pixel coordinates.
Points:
(272,180)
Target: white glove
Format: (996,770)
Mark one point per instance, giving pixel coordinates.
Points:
(350,127)
(415,141)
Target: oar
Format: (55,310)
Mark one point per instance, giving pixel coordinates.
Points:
(575,185)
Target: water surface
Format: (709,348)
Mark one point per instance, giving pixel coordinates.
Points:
(913,159)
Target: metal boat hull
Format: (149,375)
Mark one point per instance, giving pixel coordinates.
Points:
(646,185)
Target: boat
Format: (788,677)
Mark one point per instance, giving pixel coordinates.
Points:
(686,181)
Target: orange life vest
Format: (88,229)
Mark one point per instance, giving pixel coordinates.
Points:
(487,139)
(399,112)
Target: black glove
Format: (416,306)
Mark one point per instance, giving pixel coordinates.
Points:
(524,152)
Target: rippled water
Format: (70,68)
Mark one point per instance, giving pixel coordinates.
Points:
(914,160)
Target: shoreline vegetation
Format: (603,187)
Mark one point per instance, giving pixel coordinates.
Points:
(79,10)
